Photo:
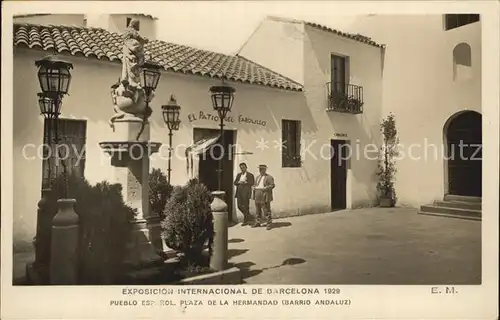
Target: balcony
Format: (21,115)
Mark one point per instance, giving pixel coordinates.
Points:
(345,98)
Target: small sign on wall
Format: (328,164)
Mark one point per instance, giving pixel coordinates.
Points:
(240,119)
(340,135)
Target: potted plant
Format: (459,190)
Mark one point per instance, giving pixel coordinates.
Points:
(387,166)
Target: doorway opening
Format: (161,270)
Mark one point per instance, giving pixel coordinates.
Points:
(338,173)
(463,141)
(209,163)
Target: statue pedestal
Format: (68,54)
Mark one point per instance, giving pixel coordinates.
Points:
(129,128)
(130,159)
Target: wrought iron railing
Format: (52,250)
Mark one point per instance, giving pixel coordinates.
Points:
(343,97)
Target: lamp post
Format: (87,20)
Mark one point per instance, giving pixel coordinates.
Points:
(55,77)
(57,236)
(171,113)
(222,102)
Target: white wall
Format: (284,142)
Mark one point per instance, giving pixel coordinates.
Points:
(279,46)
(420,90)
(363,129)
(53,19)
(118,23)
(303,54)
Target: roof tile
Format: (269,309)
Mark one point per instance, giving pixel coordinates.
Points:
(104,45)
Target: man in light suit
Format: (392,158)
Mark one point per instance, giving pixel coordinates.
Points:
(263,196)
(244,182)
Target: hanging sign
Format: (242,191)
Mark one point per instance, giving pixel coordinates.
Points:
(229,119)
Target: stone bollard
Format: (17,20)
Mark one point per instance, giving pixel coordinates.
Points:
(219,258)
(64,249)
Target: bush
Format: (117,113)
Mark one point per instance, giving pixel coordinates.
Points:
(103,227)
(188,221)
(387,162)
(159,192)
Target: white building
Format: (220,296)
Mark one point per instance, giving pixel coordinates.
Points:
(432,83)
(269,109)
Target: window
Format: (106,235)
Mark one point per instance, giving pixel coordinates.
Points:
(338,73)
(290,148)
(72,138)
(462,64)
(453,21)
(138,23)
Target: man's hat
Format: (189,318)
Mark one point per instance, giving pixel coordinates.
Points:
(262,166)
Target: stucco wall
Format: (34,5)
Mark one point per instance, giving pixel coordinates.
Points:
(279,46)
(303,53)
(118,23)
(298,190)
(420,90)
(362,130)
(55,19)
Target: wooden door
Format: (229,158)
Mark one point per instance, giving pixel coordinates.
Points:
(338,177)
(464,139)
(338,73)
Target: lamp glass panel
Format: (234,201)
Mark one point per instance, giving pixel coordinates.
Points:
(165,117)
(151,78)
(170,115)
(176,114)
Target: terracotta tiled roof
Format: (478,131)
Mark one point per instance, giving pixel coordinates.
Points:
(100,44)
(356,37)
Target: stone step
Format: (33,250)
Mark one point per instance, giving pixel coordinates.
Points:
(458,204)
(450,216)
(451,197)
(450,212)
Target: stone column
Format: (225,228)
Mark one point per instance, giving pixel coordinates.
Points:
(130,158)
(64,248)
(219,258)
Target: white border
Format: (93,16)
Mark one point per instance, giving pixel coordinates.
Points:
(477,302)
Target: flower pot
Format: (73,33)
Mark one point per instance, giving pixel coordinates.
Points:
(386,202)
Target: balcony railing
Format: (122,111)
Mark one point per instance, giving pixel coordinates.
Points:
(347,98)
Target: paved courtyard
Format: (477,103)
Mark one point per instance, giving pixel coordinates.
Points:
(366,246)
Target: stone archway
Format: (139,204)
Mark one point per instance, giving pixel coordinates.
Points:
(463,162)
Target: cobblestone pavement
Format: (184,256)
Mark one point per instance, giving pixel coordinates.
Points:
(366,246)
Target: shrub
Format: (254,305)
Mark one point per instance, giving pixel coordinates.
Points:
(103,224)
(188,221)
(387,164)
(159,192)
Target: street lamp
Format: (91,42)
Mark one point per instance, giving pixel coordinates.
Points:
(222,101)
(171,113)
(150,78)
(149,81)
(55,78)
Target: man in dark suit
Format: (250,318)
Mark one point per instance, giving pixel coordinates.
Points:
(263,196)
(244,182)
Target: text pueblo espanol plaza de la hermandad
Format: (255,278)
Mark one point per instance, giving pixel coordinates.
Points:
(149,297)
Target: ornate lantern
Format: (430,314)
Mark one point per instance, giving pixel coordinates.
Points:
(54,76)
(171,112)
(222,99)
(49,108)
(150,76)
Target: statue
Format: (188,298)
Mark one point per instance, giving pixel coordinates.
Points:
(129,98)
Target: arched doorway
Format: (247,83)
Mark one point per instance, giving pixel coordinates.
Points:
(464,154)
